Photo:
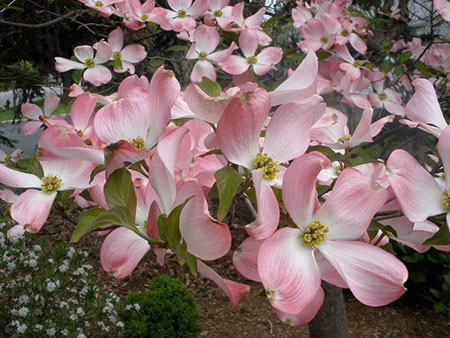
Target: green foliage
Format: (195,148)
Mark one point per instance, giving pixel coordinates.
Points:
(429,275)
(166,310)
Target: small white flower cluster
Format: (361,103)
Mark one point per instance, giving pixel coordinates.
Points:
(48,292)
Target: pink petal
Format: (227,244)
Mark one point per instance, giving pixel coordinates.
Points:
(15,232)
(63,65)
(82,109)
(270,56)
(205,239)
(121,252)
(104,52)
(416,190)
(305,316)
(351,205)
(198,8)
(300,84)
(83,53)
(268,214)
(245,259)
(289,132)
(31,111)
(134,53)
(358,44)
(7,195)
(235,65)
(235,291)
(51,103)
(424,105)
(328,272)
(374,276)
(121,154)
(31,127)
(248,42)
(299,187)
(31,209)
(206,39)
(164,89)
(444,152)
(73,173)
(115,39)
(98,75)
(201,69)
(18,179)
(288,271)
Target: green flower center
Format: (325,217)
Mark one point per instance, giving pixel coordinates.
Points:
(357,63)
(324,39)
(50,183)
(315,234)
(117,55)
(99,4)
(270,166)
(182,13)
(446,200)
(218,13)
(233,25)
(252,60)
(144,17)
(138,143)
(344,138)
(382,96)
(338,169)
(202,56)
(345,33)
(7,158)
(90,63)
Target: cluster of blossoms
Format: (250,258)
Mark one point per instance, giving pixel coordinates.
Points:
(148,178)
(51,297)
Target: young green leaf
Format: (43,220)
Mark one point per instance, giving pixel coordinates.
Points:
(119,190)
(228,181)
(210,87)
(442,237)
(84,222)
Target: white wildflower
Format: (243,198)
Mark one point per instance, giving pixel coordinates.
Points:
(23,312)
(24,299)
(22,328)
(51,286)
(51,332)
(38,327)
(65,333)
(70,252)
(137,307)
(32,263)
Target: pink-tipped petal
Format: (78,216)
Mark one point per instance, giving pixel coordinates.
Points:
(7,195)
(235,65)
(268,213)
(305,316)
(121,252)
(84,52)
(51,103)
(299,186)
(417,192)
(63,64)
(31,127)
(248,42)
(374,276)
(82,109)
(351,205)
(245,259)
(288,271)
(300,84)
(18,179)
(31,209)
(444,152)
(134,53)
(115,39)
(98,75)
(31,111)
(235,291)
(104,52)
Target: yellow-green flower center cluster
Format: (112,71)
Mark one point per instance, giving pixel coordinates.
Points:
(50,183)
(345,33)
(202,56)
(446,200)
(344,138)
(218,13)
(117,55)
(357,63)
(138,143)
(252,60)
(324,39)
(270,166)
(90,63)
(144,17)
(99,4)
(315,234)
(181,13)
(382,96)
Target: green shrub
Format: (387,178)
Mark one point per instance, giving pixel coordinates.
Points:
(167,309)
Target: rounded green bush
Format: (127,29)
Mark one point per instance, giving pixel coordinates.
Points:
(167,309)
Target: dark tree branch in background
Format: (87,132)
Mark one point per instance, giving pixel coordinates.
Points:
(71,15)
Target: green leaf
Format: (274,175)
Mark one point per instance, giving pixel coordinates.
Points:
(324,150)
(173,233)
(84,223)
(403,57)
(387,66)
(155,63)
(76,76)
(211,152)
(119,190)
(398,70)
(86,195)
(442,237)
(98,169)
(409,259)
(417,276)
(323,55)
(36,168)
(439,307)
(423,69)
(138,167)
(161,225)
(447,279)
(435,293)
(178,48)
(213,193)
(228,181)
(295,57)
(389,248)
(191,261)
(210,87)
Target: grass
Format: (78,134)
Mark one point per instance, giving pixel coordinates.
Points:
(63,108)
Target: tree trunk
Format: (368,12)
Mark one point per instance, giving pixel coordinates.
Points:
(330,321)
